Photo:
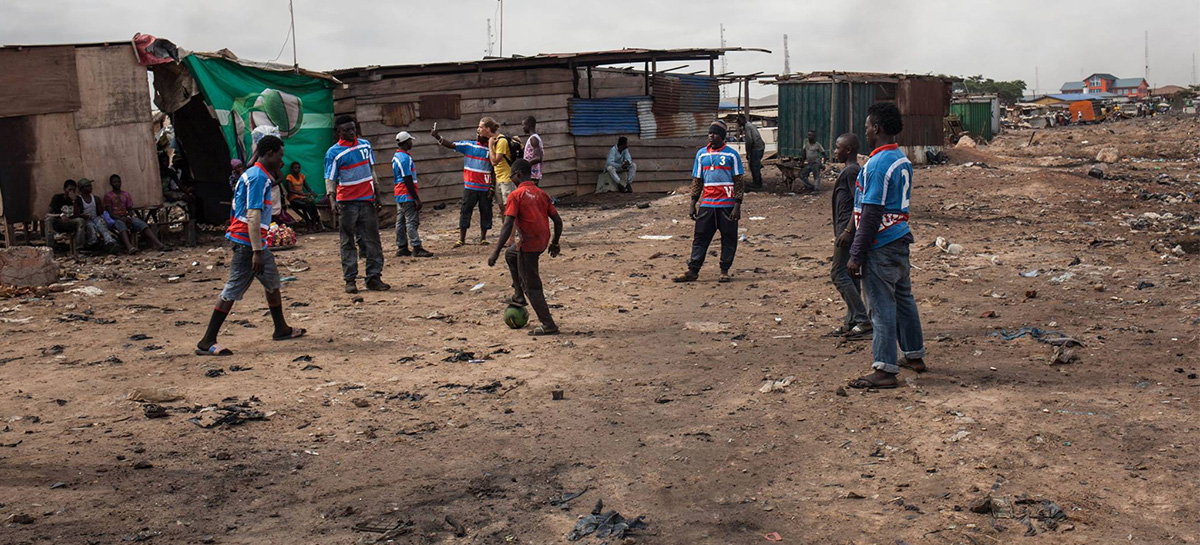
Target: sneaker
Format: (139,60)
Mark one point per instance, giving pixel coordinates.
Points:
(403,252)
(351,287)
(375,284)
(421,252)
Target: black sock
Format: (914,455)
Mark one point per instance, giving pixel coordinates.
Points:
(214,326)
(281,326)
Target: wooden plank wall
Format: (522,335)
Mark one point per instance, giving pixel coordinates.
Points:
(38,80)
(506,96)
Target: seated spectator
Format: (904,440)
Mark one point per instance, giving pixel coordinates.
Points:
(61,218)
(301,199)
(618,161)
(119,205)
(91,209)
(237,168)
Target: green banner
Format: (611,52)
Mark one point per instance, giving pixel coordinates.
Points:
(245,97)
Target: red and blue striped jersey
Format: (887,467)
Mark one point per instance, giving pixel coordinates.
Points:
(886,181)
(252,192)
(476,165)
(716,168)
(349,164)
(402,165)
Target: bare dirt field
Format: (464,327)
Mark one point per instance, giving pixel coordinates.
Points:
(377,426)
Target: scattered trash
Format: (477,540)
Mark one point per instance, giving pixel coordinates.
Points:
(214,373)
(90,291)
(297,266)
(310,367)
(557,395)
(143,465)
(57,485)
(776,385)
(478,286)
(989,314)
(961,435)
(564,498)
(708,327)
(287,279)
(1098,171)
(305,357)
(140,337)
(406,396)
(233,414)
(389,525)
(53,350)
(73,317)
(154,410)
(952,249)
(1030,274)
(1063,277)
(360,402)
(1144,285)
(656,237)
(1108,155)
(610,524)
(757,218)
(235,368)
(1064,356)
(1031,294)
(841,392)
(154,395)
(1041,335)
(643,205)
(459,355)
(773,536)
(19,518)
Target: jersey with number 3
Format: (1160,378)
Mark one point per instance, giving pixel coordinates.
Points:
(886,181)
(349,164)
(716,168)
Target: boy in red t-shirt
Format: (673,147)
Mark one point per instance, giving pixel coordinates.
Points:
(530,210)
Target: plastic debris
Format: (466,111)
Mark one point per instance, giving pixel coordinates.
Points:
(604,525)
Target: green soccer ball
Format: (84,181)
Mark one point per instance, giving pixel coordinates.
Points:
(516,317)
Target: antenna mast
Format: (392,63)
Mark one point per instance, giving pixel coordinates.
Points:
(295,63)
(787,57)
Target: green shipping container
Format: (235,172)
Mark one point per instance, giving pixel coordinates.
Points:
(829,108)
(976,118)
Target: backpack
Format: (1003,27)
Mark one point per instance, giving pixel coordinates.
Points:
(514,149)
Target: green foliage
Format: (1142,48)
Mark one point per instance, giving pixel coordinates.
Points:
(1008,91)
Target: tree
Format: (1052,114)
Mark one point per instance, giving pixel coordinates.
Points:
(1008,91)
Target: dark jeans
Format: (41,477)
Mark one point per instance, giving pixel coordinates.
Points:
(815,169)
(526,283)
(65,225)
(893,308)
(307,210)
(471,200)
(848,287)
(708,222)
(360,228)
(755,156)
(407,222)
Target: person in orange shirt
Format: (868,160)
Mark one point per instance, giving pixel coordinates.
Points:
(302,199)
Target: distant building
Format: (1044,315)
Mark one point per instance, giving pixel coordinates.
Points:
(1135,88)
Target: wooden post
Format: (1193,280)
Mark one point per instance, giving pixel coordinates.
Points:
(574,81)
(646,73)
(711,67)
(589,75)
(832,109)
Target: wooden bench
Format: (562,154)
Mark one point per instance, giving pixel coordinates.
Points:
(151,215)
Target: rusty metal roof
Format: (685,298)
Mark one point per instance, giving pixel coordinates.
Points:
(856,77)
(541,60)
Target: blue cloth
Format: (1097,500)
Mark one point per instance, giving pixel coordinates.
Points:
(894,314)
(252,192)
(349,164)
(716,169)
(886,181)
(402,165)
(477,167)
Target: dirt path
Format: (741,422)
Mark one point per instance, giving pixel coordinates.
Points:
(662,414)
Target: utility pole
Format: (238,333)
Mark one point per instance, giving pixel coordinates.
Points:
(1193,69)
(501,28)
(491,39)
(724,62)
(1147,57)
(1036,82)
(292,12)
(787,57)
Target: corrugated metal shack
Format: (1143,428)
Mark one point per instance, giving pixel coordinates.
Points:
(581,109)
(980,114)
(832,103)
(73,111)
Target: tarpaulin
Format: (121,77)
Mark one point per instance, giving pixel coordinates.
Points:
(244,97)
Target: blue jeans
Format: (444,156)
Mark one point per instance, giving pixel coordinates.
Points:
(848,287)
(407,222)
(893,309)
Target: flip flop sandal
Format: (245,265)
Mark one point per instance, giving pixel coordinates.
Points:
(724,278)
(296,333)
(858,334)
(839,332)
(863,383)
(484,242)
(509,301)
(459,244)
(214,350)
(905,364)
(540,331)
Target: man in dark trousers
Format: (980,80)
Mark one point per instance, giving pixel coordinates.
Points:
(249,218)
(856,324)
(477,183)
(717,190)
(530,211)
(61,217)
(880,252)
(755,148)
(351,186)
(408,201)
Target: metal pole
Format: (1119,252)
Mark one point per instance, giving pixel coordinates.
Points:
(295,63)
(501,28)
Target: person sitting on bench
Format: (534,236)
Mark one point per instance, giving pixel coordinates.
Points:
(618,161)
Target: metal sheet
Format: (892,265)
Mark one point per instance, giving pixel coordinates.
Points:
(680,125)
(616,115)
(923,130)
(976,118)
(685,93)
(829,108)
(924,97)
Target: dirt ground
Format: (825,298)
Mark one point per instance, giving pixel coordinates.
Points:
(371,421)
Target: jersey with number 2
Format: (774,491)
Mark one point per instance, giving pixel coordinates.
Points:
(716,168)
(886,181)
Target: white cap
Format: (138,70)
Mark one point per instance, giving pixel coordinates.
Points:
(404,137)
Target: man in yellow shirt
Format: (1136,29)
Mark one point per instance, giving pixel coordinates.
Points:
(500,154)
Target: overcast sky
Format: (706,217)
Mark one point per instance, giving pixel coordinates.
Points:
(999,39)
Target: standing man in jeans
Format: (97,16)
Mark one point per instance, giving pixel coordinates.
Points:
(717,188)
(879,253)
(408,202)
(814,154)
(856,324)
(351,187)
(755,148)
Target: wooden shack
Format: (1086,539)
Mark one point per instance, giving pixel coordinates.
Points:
(581,107)
(70,112)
